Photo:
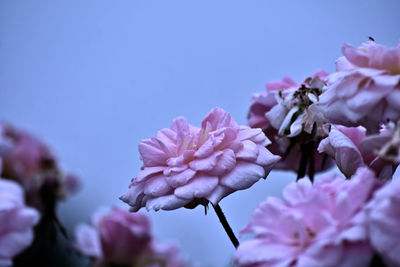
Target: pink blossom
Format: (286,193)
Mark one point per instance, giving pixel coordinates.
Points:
(123,237)
(315,225)
(117,237)
(299,111)
(185,165)
(16,222)
(278,103)
(31,163)
(383,217)
(365,90)
(24,156)
(344,145)
(264,102)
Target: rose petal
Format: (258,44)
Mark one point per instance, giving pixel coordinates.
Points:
(168,202)
(244,175)
(198,187)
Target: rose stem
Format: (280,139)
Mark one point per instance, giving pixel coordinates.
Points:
(226,226)
(311,168)
(303,162)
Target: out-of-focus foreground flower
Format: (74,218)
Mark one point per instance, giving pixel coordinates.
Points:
(122,237)
(383,217)
(30,162)
(16,221)
(365,90)
(290,115)
(186,166)
(316,225)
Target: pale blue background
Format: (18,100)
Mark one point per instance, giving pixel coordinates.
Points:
(93,78)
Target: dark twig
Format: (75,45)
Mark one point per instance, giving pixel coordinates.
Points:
(311,168)
(303,161)
(226,226)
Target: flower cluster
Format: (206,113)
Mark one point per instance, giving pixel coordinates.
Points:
(29,175)
(30,170)
(336,222)
(350,117)
(186,165)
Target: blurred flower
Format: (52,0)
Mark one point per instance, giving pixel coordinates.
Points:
(118,236)
(23,155)
(316,225)
(386,144)
(383,219)
(344,145)
(16,222)
(186,166)
(30,162)
(286,110)
(365,90)
(122,237)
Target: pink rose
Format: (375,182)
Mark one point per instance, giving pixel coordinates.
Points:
(344,145)
(365,90)
(24,156)
(315,225)
(185,165)
(273,111)
(16,222)
(119,236)
(30,162)
(123,237)
(383,217)
(264,102)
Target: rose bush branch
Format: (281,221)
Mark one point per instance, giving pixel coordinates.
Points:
(226,225)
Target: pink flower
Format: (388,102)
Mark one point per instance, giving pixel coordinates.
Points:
(316,225)
(119,236)
(344,145)
(264,102)
(123,237)
(273,111)
(365,90)
(185,165)
(24,156)
(30,162)
(383,217)
(16,222)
